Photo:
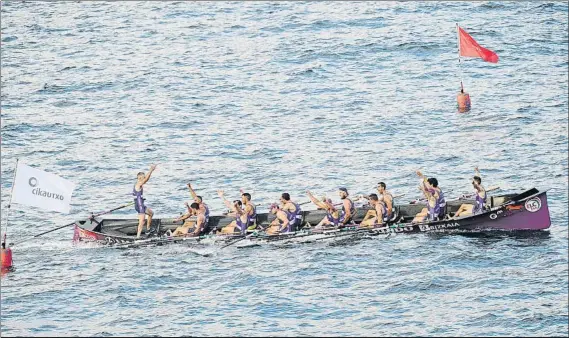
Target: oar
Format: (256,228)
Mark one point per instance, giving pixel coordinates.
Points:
(263,204)
(208,254)
(365,197)
(70,224)
(236,241)
(463,195)
(473,194)
(422,199)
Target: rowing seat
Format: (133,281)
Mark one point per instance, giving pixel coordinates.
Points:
(298,225)
(253,227)
(443,213)
(395,214)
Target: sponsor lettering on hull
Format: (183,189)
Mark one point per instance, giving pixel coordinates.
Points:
(533,204)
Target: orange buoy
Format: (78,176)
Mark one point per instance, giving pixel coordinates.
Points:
(463,100)
(6,258)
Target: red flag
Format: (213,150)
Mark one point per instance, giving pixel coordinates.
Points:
(469,47)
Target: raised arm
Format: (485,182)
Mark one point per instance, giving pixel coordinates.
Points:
(192,192)
(315,200)
(147,177)
(227,203)
(423,177)
(426,192)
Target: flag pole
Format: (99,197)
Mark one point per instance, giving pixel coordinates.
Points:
(459,64)
(9,203)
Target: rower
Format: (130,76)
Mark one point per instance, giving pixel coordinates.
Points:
(348,208)
(139,206)
(380,211)
(281,224)
(199,200)
(480,203)
(435,200)
(250,212)
(463,100)
(191,227)
(292,210)
(346,214)
(332,214)
(384,197)
(243,216)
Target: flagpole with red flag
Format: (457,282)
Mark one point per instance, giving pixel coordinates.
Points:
(459,64)
(468,47)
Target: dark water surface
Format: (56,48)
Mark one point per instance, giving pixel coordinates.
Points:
(284,96)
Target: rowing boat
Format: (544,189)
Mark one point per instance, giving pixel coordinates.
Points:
(525,211)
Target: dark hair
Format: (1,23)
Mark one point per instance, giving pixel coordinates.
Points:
(462,90)
(373,197)
(199,197)
(195,205)
(478,179)
(382,185)
(238,202)
(285,196)
(140,173)
(247,195)
(433,181)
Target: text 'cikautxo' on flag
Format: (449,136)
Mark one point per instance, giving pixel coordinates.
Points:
(37,188)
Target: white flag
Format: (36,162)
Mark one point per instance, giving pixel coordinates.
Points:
(38,188)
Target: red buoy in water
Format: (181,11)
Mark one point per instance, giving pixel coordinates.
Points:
(463,100)
(6,258)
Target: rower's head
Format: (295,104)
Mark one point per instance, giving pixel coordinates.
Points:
(274,208)
(329,204)
(198,199)
(433,182)
(285,197)
(373,199)
(140,176)
(195,208)
(237,203)
(246,197)
(381,187)
(476,180)
(462,90)
(343,192)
